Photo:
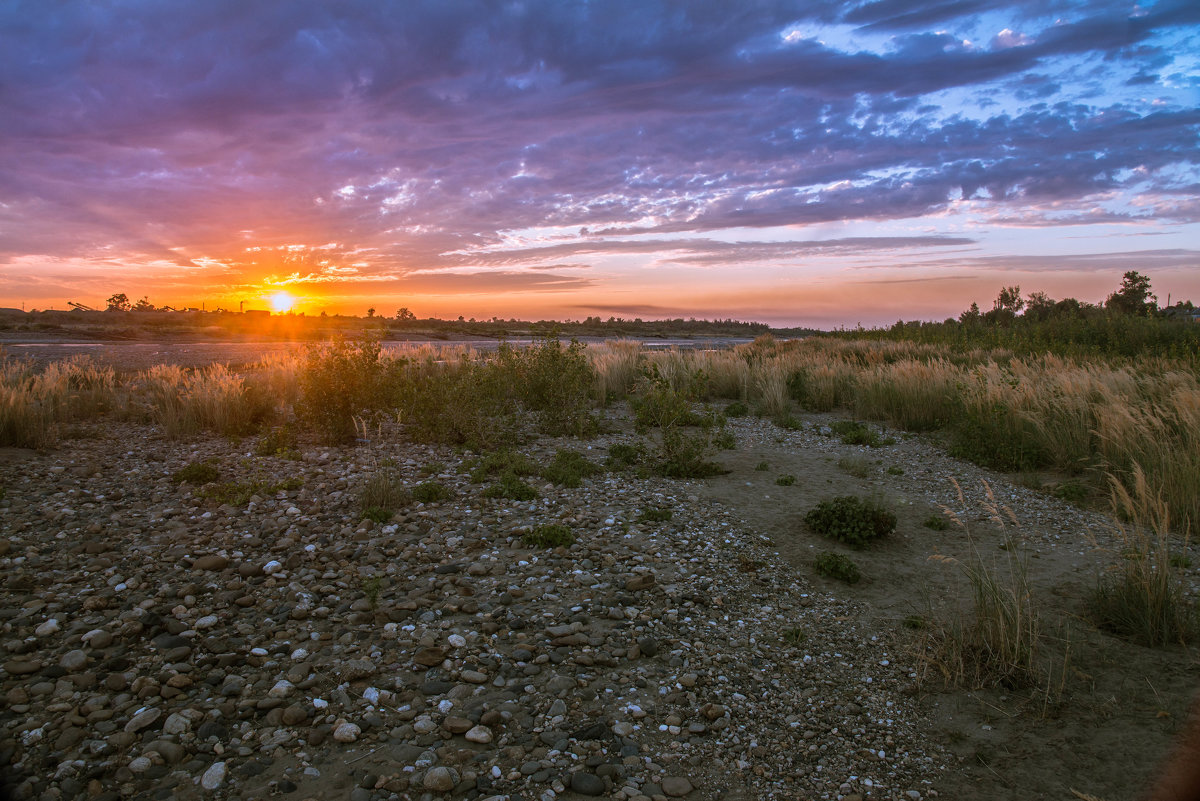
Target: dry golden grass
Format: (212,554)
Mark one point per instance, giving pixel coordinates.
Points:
(616,364)
(34,404)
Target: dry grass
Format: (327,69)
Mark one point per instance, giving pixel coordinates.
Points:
(34,404)
(185,402)
(616,364)
(1141,595)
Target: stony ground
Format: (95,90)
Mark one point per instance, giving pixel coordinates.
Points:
(157,645)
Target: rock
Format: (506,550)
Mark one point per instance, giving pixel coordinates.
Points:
(46,629)
(346,732)
(479,734)
(440,779)
(641,581)
(676,786)
(357,669)
(211,562)
(98,638)
(295,714)
(429,657)
(176,724)
(648,646)
(586,783)
(143,719)
(214,777)
(74,661)
(21,667)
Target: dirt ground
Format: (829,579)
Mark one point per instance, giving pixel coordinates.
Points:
(1116,705)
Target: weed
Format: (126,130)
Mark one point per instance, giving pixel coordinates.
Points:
(737,409)
(340,382)
(569,468)
(432,468)
(555,383)
(724,440)
(1071,492)
(384,491)
(1141,597)
(655,514)
(786,480)
(789,422)
(239,493)
(762,467)
(501,462)
(204,472)
(913,622)
(837,566)
(1178,560)
(893,470)
(371,587)
(852,432)
(549,535)
(508,485)
(623,455)
(850,520)
(431,492)
(856,466)
(794,636)
(279,441)
(377,514)
(936,522)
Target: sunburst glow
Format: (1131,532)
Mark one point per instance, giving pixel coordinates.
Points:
(282,302)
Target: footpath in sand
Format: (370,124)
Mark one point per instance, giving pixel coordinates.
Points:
(157,645)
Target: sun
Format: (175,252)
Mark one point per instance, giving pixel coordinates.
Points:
(282,302)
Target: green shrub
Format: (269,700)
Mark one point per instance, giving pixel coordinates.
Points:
(997,437)
(895,471)
(341,383)
(623,455)
(377,514)
(569,468)
(853,432)
(850,520)
(936,522)
(555,383)
(655,514)
(431,492)
(762,467)
(468,402)
(1071,492)
(279,441)
(384,489)
(371,587)
(508,485)
(786,480)
(204,472)
(549,535)
(724,440)
(836,566)
(789,422)
(239,493)
(501,462)
(737,409)
(794,636)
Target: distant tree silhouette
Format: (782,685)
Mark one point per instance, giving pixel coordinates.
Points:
(1134,296)
(118,302)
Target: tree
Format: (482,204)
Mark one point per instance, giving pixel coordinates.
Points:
(405,314)
(971,315)
(1039,306)
(371,312)
(144,305)
(1006,306)
(118,302)
(1134,296)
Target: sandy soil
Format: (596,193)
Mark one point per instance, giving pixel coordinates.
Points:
(1120,704)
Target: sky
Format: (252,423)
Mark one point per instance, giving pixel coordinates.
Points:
(809,163)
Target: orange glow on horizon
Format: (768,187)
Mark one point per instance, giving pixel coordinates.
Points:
(281,302)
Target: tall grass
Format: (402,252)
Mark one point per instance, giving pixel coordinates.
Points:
(616,364)
(213,398)
(34,404)
(1141,596)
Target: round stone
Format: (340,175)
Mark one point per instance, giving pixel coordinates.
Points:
(479,734)
(214,777)
(74,660)
(587,783)
(676,786)
(440,780)
(346,732)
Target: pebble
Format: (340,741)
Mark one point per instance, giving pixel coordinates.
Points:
(214,777)
(346,732)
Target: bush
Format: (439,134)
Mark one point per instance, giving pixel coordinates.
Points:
(384,490)
(467,402)
(852,432)
(936,522)
(501,462)
(569,468)
(737,409)
(555,383)
(724,440)
(655,514)
(279,441)
(377,514)
(856,466)
(850,520)
(836,566)
(431,492)
(239,493)
(341,382)
(786,480)
(623,455)
(762,467)
(508,485)
(204,472)
(550,535)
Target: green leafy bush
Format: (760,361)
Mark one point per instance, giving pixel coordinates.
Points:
(468,402)
(377,514)
(569,468)
(786,480)
(555,383)
(341,383)
(508,485)
(850,520)
(936,522)
(737,409)
(204,472)
(431,492)
(853,432)
(549,535)
(655,514)
(623,455)
(837,566)
(501,462)
(279,441)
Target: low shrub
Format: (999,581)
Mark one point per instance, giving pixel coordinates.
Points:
(853,432)
(501,462)
(893,470)
(1071,492)
(385,489)
(724,440)
(279,442)
(624,455)
(856,466)
(377,514)
(762,467)
(836,566)
(431,492)
(850,520)
(549,535)
(508,485)
(239,493)
(204,472)
(341,383)
(737,409)
(936,522)
(569,468)
(655,514)
(786,480)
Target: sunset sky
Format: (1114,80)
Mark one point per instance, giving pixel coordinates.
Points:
(815,163)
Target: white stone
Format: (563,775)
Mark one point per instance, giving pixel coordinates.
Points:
(47,628)
(176,724)
(479,734)
(282,689)
(456,640)
(346,733)
(140,765)
(206,622)
(274,566)
(214,777)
